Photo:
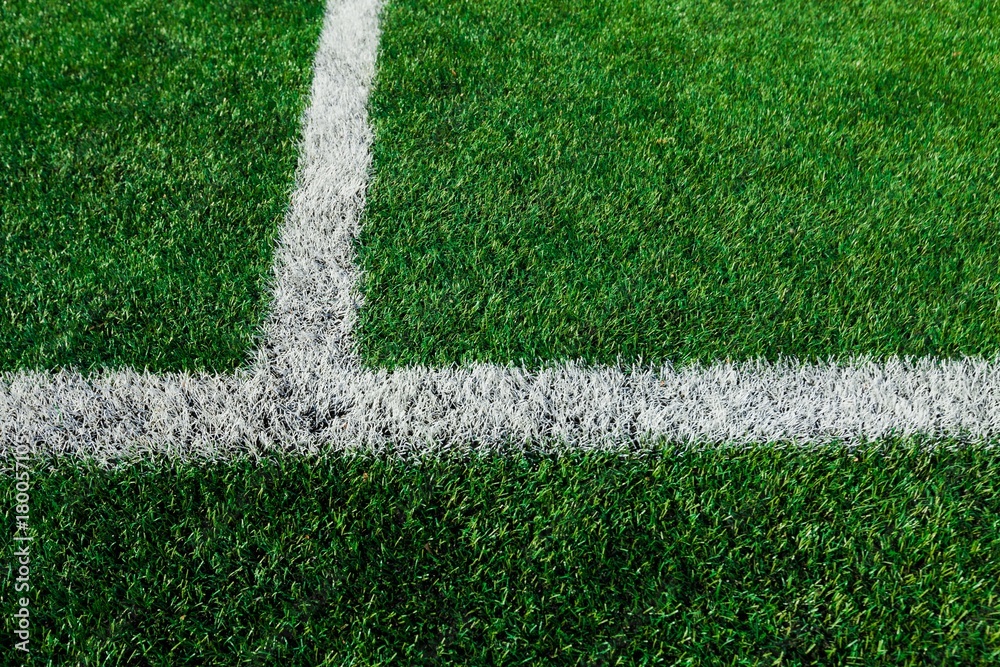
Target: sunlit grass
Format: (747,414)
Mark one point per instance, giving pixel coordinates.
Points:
(683,181)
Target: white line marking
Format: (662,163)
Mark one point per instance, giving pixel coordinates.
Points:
(305,391)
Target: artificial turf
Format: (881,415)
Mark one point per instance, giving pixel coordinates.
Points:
(147,151)
(682,181)
(884,555)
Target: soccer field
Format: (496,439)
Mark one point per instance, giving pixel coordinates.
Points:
(536,332)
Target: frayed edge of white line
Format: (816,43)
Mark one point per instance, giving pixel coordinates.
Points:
(306,394)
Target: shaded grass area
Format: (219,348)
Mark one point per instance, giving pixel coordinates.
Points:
(683,180)
(884,555)
(147,151)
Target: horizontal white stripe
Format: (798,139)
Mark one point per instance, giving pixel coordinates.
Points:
(489,407)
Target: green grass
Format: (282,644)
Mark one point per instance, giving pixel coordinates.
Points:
(147,150)
(683,180)
(878,556)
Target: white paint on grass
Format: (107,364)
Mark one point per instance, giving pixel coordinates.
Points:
(305,391)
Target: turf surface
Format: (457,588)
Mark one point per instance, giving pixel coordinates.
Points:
(147,151)
(878,556)
(683,180)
